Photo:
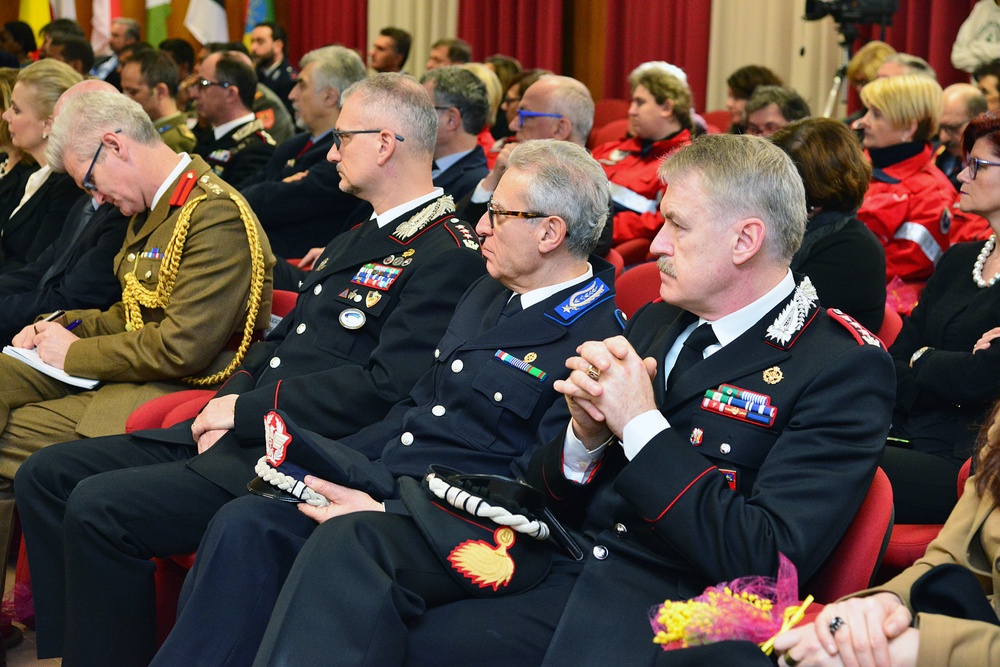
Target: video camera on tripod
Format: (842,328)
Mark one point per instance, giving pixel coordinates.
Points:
(849,14)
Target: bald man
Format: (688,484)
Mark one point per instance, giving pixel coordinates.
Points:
(960,103)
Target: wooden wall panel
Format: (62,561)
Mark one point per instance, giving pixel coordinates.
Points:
(585,39)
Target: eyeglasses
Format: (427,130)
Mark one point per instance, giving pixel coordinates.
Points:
(952,129)
(511,100)
(975,163)
(523,115)
(205,83)
(337,134)
(88,183)
(492,210)
(443,108)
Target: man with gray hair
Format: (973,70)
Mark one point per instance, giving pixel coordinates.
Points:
(771,108)
(124,32)
(900,64)
(363,331)
(486,404)
(460,100)
(554,107)
(701,446)
(194,261)
(297,195)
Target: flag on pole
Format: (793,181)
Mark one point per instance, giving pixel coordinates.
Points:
(206,19)
(157,13)
(105,11)
(258,11)
(35,13)
(64,9)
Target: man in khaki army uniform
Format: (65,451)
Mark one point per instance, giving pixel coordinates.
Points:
(151,78)
(195,269)
(238,145)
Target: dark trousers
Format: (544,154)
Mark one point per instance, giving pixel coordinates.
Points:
(361,579)
(924,486)
(94,512)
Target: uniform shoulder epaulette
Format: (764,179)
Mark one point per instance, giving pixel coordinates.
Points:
(424,219)
(463,233)
(184,187)
(253,126)
(581,301)
(793,319)
(855,328)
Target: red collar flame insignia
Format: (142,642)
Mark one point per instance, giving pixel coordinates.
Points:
(276,438)
(486,565)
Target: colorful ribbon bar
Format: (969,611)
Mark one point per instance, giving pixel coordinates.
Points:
(522,365)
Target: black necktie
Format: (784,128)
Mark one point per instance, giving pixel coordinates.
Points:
(513,307)
(692,351)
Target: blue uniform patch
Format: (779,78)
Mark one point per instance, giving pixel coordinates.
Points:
(580,302)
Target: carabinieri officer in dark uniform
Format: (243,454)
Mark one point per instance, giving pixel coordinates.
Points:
(667,493)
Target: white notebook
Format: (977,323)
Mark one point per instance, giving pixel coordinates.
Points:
(31,358)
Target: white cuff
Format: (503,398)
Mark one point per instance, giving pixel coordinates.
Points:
(640,430)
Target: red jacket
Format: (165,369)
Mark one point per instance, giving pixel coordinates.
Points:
(909,206)
(635,188)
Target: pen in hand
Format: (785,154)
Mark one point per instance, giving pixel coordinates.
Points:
(74,324)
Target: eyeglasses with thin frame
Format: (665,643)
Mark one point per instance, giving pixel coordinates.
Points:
(975,163)
(202,84)
(337,134)
(523,115)
(492,211)
(88,183)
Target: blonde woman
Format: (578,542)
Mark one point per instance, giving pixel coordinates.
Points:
(35,214)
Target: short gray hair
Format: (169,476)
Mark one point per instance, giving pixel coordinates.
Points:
(913,64)
(132,28)
(746,176)
(567,182)
(337,67)
(84,118)
(572,99)
(398,103)
(460,88)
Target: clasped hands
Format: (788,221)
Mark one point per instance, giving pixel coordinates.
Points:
(624,390)
(51,339)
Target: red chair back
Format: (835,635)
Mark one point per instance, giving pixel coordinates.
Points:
(608,110)
(615,259)
(717,120)
(635,251)
(616,130)
(852,565)
(637,287)
(891,325)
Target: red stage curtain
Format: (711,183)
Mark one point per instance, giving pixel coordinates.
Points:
(671,30)
(529,30)
(927,28)
(316,23)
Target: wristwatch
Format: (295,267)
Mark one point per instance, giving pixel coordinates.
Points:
(919,353)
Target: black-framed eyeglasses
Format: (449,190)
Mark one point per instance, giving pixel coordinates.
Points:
(88,183)
(202,84)
(975,163)
(511,100)
(492,211)
(337,134)
(522,115)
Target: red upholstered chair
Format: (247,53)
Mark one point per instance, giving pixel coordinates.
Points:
(616,130)
(637,287)
(852,565)
(891,325)
(610,109)
(635,251)
(615,258)
(909,540)
(716,120)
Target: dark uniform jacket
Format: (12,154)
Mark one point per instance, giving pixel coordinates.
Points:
(462,177)
(76,271)
(309,212)
(238,153)
(33,228)
(476,412)
(12,187)
(348,352)
(281,80)
(714,498)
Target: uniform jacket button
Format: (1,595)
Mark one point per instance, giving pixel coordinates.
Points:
(301,328)
(406,439)
(457,366)
(600,552)
(131,257)
(437,354)
(498,397)
(725,448)
(621,530)
(438,411)
(317,289)
(275,362)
